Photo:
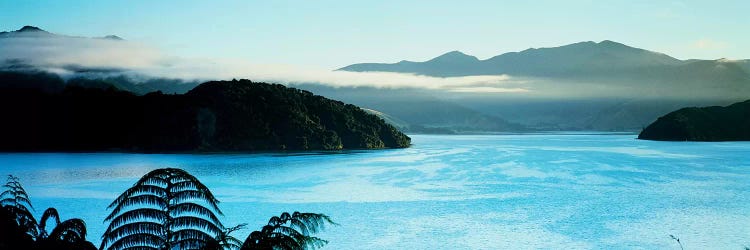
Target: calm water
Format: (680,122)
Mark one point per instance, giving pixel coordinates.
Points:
(560,191)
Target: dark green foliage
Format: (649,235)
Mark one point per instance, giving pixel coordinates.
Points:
(248,115)
(730,123)
(31,80)
(68,234)
(124,83)
(15,200)
(13,236)
(216,116)
(224,240)
(289,232)
(19,229)
(166,209)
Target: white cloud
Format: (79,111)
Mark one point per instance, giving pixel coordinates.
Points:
(60,52)
(708,44)
(488,90)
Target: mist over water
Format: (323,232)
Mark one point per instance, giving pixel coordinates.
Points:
(591,191)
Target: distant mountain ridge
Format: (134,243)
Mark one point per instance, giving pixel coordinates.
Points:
(630,87)
(33,31)
(417,112)
(603,61)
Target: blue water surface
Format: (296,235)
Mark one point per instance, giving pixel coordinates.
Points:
(561,191)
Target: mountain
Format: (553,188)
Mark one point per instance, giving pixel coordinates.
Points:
(590,114)
(396,122)
(138,87)
(418,111)
(603,85)
(588,85)
(215,116)
(113,37)
(32,31)
(606,62)
(26,31)
(568,60)
(730,123)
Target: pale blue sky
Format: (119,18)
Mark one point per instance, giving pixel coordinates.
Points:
(332,34)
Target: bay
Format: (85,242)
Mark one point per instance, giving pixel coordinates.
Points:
(571,191)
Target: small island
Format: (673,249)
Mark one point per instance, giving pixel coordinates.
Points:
(216,116)
(730,123)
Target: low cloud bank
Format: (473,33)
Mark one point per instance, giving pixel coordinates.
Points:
(68,56)
(75,56)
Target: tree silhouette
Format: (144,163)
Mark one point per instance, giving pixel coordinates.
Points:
(166,209)
(69,234)
(225,240)
(16,201)
(72,230)
(289,232)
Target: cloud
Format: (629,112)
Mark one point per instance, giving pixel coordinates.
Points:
(67,55)
(488,90)
(63,51)
(708,44)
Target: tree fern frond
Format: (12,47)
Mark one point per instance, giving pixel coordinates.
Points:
(137,240)
(188,195)
(141,189)
(72,230)
(189,233)
(194,208)
(8,192)
(315,242)
(190,244)
(49,213)
(140,214)
(289,231)
(196,222)
(166,207)
(138,200)
(153,228)
(141,248)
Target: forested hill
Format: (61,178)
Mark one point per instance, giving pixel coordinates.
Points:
(730,123)
(215,116)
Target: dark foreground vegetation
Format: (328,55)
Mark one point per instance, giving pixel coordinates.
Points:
(166,209)
(730,123)
(20,230)
(43,113)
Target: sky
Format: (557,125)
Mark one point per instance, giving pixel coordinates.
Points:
(332,34)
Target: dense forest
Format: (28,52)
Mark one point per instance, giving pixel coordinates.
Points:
(730,123)
(42,112)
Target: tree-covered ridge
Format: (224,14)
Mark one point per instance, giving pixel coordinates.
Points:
(216,116)
(730,123)
(288,118)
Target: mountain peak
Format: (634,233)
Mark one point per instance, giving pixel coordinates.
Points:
(612,44)
(113,37)
(29,28)
(26,31)
(454,56)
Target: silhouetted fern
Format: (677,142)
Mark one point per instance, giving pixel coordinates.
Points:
(290,232)
(69,234)
(166,209)
(17,202)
